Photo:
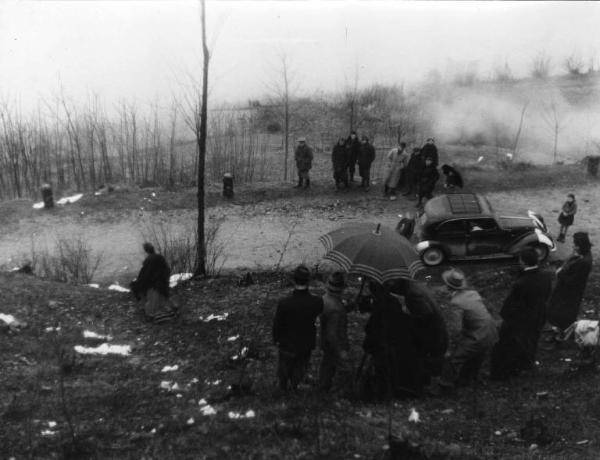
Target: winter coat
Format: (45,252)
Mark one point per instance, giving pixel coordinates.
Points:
(567,215)
(430,327)
(564,302)
(334,325)
(353,149)
(478,328)
(524,315)
(430,151)
(294,323)
(366,155)
(427,179)
(339,157)
(154,274)
(397,161)
(304,157)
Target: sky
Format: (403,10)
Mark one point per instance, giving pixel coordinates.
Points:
(148,50)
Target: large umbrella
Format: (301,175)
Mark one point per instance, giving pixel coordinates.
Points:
(372,250)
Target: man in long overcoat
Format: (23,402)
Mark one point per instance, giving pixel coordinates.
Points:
(429,150)
(339,159)
(366,156)
(572,278)
(304,157)
(353,148)
(294,330)
(523,315)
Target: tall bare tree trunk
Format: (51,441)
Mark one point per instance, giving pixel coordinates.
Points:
(200,269)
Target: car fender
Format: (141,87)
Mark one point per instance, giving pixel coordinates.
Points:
(535,237)
(421,246)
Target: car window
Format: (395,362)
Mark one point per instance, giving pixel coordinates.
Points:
(452,227)
(482,225)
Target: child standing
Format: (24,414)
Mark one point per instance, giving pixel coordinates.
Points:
(566,216)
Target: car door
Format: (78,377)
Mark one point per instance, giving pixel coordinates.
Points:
(484,237)
(452,234)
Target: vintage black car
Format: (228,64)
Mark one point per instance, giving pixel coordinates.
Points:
(465,227)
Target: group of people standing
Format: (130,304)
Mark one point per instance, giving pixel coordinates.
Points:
(410,348)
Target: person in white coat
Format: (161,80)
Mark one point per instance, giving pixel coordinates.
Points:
(397,161)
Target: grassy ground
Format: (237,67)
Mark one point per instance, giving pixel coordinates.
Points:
(113,407)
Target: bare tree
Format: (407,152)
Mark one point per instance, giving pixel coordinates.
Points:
(574,64)
(519,129)
(540,66)
(503,73)
(555,122)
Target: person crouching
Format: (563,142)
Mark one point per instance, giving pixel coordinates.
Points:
(151,287)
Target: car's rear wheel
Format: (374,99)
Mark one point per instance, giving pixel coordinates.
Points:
(541,250)
(433,256)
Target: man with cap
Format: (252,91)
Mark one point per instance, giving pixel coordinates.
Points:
(304,157)
(294,330)
(475,336)
(523,314)
(334,332)
(366,156)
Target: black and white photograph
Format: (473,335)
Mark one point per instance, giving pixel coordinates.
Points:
(299,229)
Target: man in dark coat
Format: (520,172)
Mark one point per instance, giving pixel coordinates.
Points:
(572,278)
(523,315)
(413,171)
(366,156)
(304,157)
(151,287)
(353,149)
(452,178)
(431,335)
(429,150)
(392,367)
(427,180)
(294,330)
(339,158)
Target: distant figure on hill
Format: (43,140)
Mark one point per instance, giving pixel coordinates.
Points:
(427,180)
(566,216)
(339,159)
(523,317)
(572,276)
(395,177)
(353,146)
(294,330)
(366,156)
(452,178)
(151,287)
(304,157)
(429,150)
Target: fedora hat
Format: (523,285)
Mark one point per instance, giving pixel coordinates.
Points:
(454,279)
(336,282)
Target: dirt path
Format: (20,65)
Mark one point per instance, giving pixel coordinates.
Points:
(254,235)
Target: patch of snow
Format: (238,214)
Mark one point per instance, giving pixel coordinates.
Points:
(190,421)
(509,156)
(414,416)
(70,199)
(48,433)
(104,349)
(170,368)
(242,354)
(51,424)
(194,380)
(93,285)
(479,160)
(93,335)
(117,287)
(237,415)
(208,410)
(39,205)
(233,338)
(174,280)
(213,382)
(213,317)
(169,386)
(202,402)
(52,329)
(8,319)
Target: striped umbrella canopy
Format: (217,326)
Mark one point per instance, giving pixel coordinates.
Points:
(372,250)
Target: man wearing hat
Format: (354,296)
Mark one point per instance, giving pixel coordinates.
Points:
(523,314)
(353,146)
(334,332)
(294,330)
(476,336)
(429,150)
(304,157)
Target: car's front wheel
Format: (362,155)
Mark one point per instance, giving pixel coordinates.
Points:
(541,250)
(433,256)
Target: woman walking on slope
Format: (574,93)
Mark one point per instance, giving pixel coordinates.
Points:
(566,216)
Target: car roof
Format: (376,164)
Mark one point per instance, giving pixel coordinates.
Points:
(467,205)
